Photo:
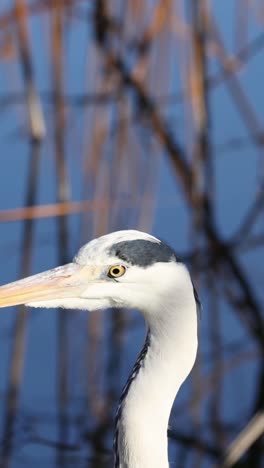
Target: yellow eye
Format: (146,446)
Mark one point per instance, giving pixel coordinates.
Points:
(116,271)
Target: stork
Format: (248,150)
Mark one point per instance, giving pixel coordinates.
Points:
(130,269)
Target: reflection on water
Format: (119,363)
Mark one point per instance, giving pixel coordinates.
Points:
(130,115)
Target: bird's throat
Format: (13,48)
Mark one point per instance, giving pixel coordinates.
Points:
(163,364)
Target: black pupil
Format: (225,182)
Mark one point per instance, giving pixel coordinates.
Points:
(115,271)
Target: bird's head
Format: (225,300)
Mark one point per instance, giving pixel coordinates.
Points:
(122,269)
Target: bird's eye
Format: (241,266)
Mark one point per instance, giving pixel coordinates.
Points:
(116,271)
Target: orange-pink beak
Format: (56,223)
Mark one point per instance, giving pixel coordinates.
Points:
(68,281)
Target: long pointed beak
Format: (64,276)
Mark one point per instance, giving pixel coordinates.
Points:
(67,281)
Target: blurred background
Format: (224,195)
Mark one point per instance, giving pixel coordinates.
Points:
(119,114)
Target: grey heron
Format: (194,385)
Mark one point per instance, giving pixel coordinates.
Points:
(130,269)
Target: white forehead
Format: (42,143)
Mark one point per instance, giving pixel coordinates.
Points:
(97,249)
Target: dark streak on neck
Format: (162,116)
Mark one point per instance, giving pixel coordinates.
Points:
(133,374)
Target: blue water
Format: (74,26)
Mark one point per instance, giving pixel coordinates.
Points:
(237,175)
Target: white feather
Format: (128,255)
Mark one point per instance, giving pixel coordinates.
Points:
(163,292)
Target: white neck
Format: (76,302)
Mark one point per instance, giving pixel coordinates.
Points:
(142,427)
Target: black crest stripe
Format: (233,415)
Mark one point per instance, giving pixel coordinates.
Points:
(142,252)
